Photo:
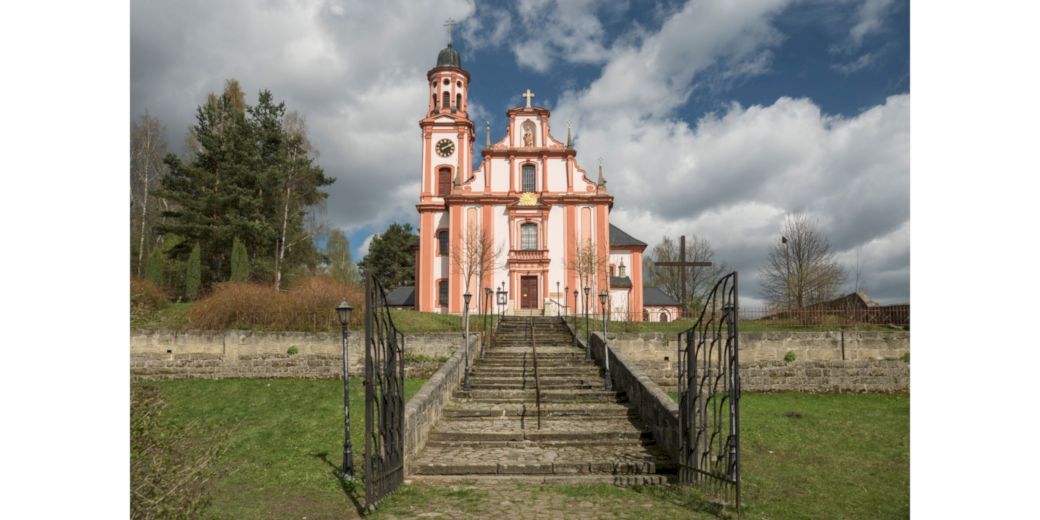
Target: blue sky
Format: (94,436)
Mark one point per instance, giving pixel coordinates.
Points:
(712,118)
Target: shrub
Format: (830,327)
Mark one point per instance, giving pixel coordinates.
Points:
(293,350)
(906,357)
(170,464)
(310,305)
(146,296)
(789,357)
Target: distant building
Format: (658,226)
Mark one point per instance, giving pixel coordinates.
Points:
(660,306)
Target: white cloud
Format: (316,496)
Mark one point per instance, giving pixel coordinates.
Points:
(731,177)
(351,67)
(869,19)
(365,244)
(565,30)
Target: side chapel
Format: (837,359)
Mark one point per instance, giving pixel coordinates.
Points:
(532,200)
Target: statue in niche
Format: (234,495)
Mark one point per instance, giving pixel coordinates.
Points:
(528,134)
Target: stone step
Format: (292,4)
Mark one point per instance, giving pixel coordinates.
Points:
(528,378)
(587,385)
(520,371)
(559,479)
(548,396)
(538,460)
(526,428)
(577,411)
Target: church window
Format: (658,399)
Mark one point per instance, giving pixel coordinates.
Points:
(529,236)
(527,178)
(442,242)
(664,317)
(444,182)
(447,100)
(435,101)
(442,292)
(458,84)
(458,101)
(446,82)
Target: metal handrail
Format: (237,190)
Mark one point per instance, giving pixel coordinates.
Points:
(559,306)
(537,383)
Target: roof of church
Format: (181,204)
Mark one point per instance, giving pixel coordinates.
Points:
(401,297)
(449,57)
(655,296)
(620,238)
(621,282)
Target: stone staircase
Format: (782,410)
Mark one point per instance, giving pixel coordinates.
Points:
(586,434)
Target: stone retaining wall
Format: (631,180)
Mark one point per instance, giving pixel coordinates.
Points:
(217,355)
(657,410)
(424,408)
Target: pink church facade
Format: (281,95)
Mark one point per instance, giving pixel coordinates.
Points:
(529,196)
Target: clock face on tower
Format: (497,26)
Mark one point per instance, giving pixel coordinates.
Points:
(445,147)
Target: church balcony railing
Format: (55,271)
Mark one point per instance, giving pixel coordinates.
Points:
(528,254)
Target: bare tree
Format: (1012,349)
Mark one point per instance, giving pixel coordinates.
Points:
(475,256)
(147,149)
(587,264)
(699,280)
(801,269)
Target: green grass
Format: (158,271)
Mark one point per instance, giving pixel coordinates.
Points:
(286,441)
(171,317)
(846,456)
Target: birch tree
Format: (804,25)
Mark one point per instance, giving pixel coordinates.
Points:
(800,268)
(476,256)
(147,148)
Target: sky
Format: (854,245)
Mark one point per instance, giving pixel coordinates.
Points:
(712,118)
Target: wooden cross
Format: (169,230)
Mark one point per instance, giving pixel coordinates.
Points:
(449,24)
(528,95)
(682,264)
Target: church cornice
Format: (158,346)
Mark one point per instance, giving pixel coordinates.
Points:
(434,71)
(528,151)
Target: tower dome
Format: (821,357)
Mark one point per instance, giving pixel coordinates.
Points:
(449,57)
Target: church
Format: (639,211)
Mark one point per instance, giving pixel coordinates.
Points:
(529,221)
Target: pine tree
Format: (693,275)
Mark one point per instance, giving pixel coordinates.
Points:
(239,262)
(193,276)
(390,257)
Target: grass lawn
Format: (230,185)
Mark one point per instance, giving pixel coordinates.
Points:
(846,456)
(286,442)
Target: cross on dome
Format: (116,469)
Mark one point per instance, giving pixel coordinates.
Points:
(449,25)
(528,95)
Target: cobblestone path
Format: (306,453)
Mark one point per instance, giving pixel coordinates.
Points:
(584,433)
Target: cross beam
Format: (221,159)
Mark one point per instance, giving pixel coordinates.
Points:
(528,95)
(682,264)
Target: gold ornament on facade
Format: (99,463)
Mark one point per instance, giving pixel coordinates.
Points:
(528,199)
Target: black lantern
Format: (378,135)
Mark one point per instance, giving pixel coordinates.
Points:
(606,356)
(465,345)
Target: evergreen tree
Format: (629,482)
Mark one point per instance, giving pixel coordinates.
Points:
(341,265)
(154,267)
(251,176)
(391,258)
(239,262)
(193,276)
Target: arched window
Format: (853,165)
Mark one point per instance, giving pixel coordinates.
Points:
(528,236)
(434,96)
(527,178)
(447,100)
(442,292)
(443,182)
(442,242)
(458,101)
(664,317)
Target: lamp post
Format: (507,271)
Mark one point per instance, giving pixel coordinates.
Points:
(558,295)
(501,295)
(488,314)
(343,310)
(575,318)
(588,337)
(606,356)
(465,345)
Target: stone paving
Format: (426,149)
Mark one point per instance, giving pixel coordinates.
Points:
(586,433)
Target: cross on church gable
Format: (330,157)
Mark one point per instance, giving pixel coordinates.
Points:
(528,94)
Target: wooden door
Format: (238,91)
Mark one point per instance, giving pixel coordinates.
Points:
(528,292)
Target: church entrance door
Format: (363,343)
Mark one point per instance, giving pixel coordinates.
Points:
(528,292)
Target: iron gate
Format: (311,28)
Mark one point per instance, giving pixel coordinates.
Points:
(709,394)
(384,397)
